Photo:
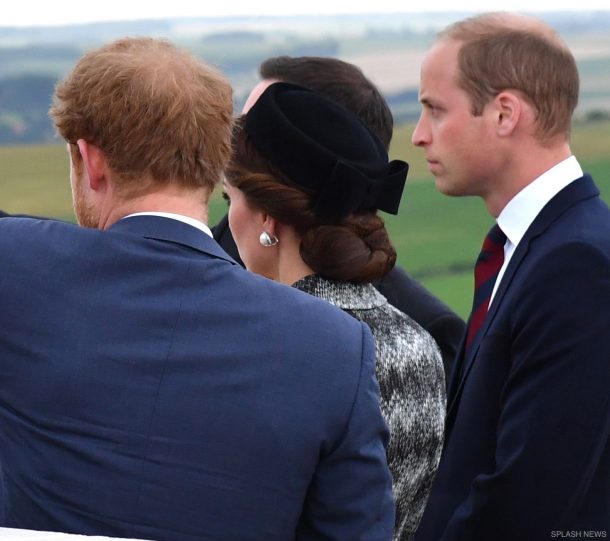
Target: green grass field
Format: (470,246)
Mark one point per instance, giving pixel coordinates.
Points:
(437,237)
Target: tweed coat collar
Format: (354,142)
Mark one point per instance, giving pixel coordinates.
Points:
(345,295)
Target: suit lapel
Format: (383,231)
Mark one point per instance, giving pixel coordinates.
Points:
(579,190)
(170,230)
(466,360)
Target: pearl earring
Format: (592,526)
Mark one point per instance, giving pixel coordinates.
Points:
(268,240)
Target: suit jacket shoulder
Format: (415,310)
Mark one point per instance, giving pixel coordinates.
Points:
(173,394)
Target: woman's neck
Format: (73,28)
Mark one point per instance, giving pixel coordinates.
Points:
(291,267)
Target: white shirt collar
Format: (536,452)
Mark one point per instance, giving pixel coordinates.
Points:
(186,219)
(521,211)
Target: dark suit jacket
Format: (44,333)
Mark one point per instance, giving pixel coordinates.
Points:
(527,450)
(6,215)
(403,292)
(152,388)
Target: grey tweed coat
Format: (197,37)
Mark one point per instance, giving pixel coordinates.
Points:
(409,369)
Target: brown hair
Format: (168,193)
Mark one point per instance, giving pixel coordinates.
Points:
(500,51)
(355,249)
(155,111)
(341,82)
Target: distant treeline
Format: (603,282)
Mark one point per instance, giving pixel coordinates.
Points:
(32,60)
(25,101)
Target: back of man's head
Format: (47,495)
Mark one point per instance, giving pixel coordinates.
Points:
(340,81)
(158,114)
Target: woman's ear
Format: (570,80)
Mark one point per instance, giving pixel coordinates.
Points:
(270,224)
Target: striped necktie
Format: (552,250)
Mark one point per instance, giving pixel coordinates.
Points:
(486,271)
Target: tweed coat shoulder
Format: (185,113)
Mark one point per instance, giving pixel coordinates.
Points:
(410,372)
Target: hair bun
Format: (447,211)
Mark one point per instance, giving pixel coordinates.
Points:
(357,250)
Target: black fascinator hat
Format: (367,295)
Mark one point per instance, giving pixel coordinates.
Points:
(326,149)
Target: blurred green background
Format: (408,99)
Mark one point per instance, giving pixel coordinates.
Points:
(437,237)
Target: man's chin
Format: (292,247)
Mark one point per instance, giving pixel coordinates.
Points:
(444,187)
(450,187)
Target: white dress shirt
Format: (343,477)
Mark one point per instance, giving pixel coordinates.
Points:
(186,219)
(521,210)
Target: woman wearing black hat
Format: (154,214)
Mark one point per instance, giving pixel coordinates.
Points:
(305,182)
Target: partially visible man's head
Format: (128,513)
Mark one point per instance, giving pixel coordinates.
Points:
(338,80)
(502,51)
(157,113)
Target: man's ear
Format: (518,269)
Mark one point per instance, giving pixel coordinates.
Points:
(508,110)
(95,164)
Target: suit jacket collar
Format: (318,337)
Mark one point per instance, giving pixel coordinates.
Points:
(577,191)
(170,230)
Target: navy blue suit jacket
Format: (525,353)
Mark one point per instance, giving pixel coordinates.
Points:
(152,388)
(527,450)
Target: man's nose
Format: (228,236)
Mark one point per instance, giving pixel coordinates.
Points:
(420,135)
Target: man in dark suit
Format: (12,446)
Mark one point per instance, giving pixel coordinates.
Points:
(346,84)
(151,387)
(527,448)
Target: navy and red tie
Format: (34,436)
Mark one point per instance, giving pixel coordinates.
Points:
(486,271)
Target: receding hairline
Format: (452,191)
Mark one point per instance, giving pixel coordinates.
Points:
(152,58)
(499,51)
(486,23)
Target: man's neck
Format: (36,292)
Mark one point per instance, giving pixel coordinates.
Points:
(527,167)
(192,203)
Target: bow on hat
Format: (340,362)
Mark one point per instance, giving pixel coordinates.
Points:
(323,147)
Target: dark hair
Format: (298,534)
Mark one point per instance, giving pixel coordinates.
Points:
(355,249)
(340,81)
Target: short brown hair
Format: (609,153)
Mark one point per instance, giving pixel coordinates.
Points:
(356,249)
(500,51)
(156,112)
(340,81)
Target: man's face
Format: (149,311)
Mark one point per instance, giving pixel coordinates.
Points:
(256,92)
(458,145)
(83,209)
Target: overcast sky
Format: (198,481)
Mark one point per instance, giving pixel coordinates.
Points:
(54,12)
